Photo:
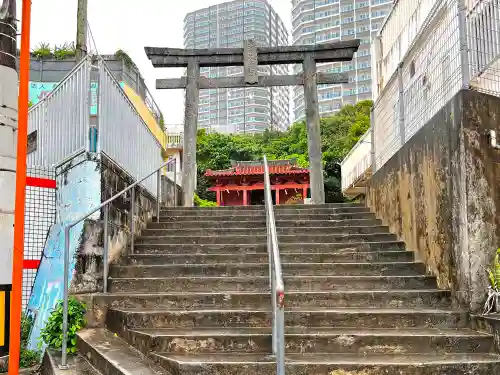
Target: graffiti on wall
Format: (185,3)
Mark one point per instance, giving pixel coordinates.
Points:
(78,191)
(39,90)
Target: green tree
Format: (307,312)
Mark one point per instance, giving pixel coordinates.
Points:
(339,133)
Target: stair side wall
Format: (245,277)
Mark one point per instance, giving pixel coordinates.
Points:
(440,193)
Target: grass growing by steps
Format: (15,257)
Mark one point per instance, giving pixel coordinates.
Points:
(342,372)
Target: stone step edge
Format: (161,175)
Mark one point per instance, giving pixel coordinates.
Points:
(310,332)
(245,278)
(338,244)
(300,310)
(341,359)
(51,360)
(280,235)
(121,360)
(319,292)
(263,228)
(180,255)
(249,264)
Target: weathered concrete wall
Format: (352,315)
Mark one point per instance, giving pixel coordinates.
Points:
(168,194)
(89,264)
(441,194)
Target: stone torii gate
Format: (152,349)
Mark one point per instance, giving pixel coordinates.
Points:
(250,56)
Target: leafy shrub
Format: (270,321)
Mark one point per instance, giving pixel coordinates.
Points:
(42,50)
(494,273)
(52,334)
(64,51)
(203,202)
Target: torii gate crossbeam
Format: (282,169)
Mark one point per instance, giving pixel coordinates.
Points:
(250,56)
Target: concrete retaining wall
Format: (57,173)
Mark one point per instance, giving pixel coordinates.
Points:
(440,193)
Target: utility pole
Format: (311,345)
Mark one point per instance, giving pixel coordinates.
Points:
(8,144)
(81,30)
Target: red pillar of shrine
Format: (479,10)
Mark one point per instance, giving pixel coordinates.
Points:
(245,198)
(217,194)
(304,193)
(277,196)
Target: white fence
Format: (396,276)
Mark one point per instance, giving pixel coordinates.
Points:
(123,135)
(60,125)
(456,46)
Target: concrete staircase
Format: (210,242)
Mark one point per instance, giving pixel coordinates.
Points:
(194,299)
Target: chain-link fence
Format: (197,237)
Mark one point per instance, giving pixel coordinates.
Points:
(457,46)
(40,214)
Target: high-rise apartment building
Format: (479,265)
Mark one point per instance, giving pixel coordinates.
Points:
(326,21)
(239,110)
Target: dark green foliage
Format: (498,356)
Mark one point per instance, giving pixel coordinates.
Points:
(339,133)
(51,334)
(28,357)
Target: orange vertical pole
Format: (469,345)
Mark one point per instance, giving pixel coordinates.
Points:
(22,146)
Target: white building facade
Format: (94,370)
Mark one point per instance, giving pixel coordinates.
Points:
(326,21)
(226,25)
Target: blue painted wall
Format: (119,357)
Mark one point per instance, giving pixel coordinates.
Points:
(78,191)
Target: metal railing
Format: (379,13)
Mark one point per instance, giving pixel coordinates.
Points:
(275,278)
(456,46)
(175,140)
(58,125)
(105,206)
(123,134)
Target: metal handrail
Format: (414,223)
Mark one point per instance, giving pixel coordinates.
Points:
(67,230)
(275,277)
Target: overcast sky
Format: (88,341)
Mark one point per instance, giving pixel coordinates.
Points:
(129,25)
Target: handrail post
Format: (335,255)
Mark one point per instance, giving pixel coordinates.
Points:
(175,182)
(132,221)
(275,278)
(105,250)
(64,344)
(158,194)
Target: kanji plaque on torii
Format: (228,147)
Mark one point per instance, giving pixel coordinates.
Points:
(250,56)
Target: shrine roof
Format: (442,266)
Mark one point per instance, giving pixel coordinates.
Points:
(283,167)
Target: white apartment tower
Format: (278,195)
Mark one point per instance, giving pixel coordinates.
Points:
(326,21)
(240,110)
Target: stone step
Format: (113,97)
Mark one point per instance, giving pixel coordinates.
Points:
(332,364)
(251,248)
(281,207)
(51,360)
(117,319)
(256,216)
(350,229)
(261,283)
(262,269)
(225,224)
(311,340)
(111,355)
(262,239)
(427,298)
(263,257)
(289,210)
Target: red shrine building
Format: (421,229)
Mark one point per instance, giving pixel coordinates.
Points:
(243,183)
